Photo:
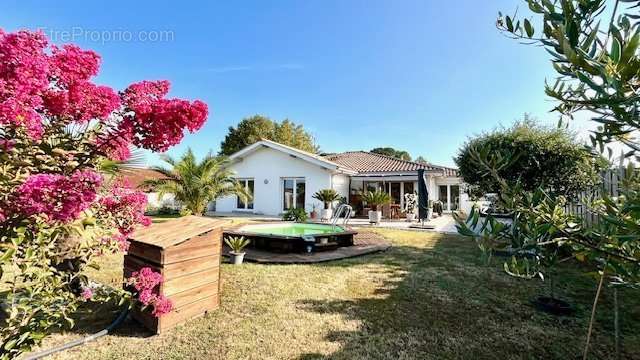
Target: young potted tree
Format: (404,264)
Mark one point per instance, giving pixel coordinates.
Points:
(375,199)
(314,213)
(410,206)
(328,197)
(237,244)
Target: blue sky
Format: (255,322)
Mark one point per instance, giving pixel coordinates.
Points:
(416,75)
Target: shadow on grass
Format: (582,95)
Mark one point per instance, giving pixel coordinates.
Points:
(441,301)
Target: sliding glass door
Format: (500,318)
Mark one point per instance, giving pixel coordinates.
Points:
(450,197)
(293,193)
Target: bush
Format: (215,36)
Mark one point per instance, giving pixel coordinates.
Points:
(297,215)
(542,156)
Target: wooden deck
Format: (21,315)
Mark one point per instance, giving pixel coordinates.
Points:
(365,242)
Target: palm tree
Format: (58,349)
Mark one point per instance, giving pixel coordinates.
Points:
(194,183)
(327,196)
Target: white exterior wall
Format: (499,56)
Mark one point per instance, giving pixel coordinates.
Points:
(340,183)
(268,167)
(167,200)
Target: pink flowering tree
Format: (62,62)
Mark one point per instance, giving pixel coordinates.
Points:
(58,207)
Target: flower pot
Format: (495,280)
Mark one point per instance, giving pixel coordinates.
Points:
(375,216)
(313,215)
(326,214)
(411,217)
(236,258)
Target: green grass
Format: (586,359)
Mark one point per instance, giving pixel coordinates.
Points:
(428,297)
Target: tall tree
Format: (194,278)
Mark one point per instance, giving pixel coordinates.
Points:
(194,183)
(389,151)
(421,160)
(255,128)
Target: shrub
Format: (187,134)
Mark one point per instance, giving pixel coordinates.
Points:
(541,156)
(297,215)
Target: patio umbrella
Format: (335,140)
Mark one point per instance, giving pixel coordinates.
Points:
(423,195)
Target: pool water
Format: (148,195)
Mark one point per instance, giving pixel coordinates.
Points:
(292,229)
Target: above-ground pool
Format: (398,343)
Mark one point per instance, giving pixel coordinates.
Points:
(295,237)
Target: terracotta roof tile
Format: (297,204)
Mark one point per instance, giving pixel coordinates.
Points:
(136,177)
(366,162)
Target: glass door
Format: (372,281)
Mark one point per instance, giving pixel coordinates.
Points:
(293,193)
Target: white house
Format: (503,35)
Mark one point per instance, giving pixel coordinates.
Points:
(281,177)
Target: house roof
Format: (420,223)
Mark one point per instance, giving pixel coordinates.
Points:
(135,177)
(297,153)
(367,162)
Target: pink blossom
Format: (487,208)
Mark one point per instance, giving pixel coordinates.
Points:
(161,306)
(157,123)
(57,196)
(116,145)
(146,279)
(24,69)
(87,293)
(146,296)
(82,102)
(72,64)
(126,205)
(7,144)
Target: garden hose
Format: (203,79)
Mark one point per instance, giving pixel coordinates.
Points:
(82,341)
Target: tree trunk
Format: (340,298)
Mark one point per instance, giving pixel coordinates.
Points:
(616,323)
(593,314)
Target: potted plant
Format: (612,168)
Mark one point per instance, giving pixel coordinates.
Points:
(375,199)
(410,206)
(237,244)
(328,197)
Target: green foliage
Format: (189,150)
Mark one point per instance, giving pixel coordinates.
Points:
(255,128)
(236,243)
(42,262)
(297,215)
(185,212)
(195,184)
(376,198)
(541,156)
(327,196)
(389,151)
(596,59)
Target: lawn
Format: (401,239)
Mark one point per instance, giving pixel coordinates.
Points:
(429,297)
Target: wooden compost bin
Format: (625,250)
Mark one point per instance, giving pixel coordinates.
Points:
(186,251)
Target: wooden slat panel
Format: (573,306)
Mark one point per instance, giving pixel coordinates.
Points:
(186,312)
(146,251)
(174,255)
(188,282)
(171,271)
(192,295)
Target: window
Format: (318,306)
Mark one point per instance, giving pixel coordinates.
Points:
(293,191)
(248,185)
